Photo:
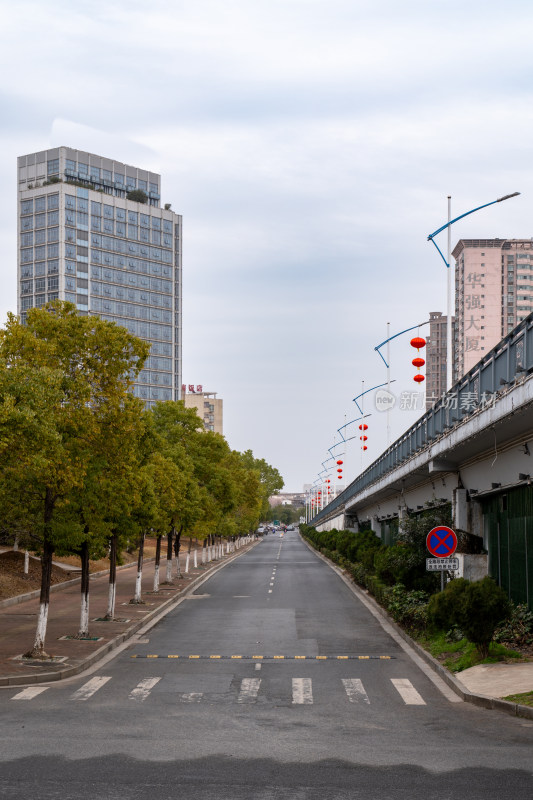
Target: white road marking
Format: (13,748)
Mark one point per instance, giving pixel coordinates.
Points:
(407,692)
(142,690)
(89,688)
(270,591)
(302,691)
(355,690)
(258,667)
(191,697)
(249,689)
(30,692)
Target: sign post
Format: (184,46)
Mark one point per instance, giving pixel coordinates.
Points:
(442,544)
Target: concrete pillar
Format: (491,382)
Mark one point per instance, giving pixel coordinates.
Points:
(460,510)
(375,525)
(402,517)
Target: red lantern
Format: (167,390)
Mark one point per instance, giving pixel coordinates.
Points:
(339,462)
(363,427)
(418,342)
(419,378)
(364,438)
(365,447)
(339,477)
(339,470)
(418,362)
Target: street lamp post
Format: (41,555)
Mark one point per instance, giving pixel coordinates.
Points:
(449,348)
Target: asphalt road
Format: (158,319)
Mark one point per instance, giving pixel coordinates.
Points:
(272,681)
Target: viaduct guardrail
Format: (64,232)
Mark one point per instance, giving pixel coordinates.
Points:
(510,360)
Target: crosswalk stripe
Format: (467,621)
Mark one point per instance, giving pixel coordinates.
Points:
(249,689)
(143,688)
(302,691)
(191,697)
(355,690)
(30,692)
(407,692)
(89,688)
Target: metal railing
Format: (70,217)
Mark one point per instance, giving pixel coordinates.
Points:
(510,359)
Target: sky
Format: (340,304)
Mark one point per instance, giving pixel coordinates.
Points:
(311,146)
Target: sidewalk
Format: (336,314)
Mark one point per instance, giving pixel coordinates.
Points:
(18,619)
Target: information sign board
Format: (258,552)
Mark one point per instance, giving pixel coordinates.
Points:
(442,564)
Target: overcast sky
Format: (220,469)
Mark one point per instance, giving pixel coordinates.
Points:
(310,146)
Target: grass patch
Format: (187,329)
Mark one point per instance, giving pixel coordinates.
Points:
(457,656)
(525,699)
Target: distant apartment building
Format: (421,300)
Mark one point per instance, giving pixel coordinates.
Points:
(83,237)
(436,357)
(493,293)
(208,406)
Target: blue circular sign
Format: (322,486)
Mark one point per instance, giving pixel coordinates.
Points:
(441,542)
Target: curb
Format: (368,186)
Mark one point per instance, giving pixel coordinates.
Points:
(481,700)
(113,644)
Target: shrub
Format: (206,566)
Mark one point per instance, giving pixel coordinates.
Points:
(408,608)
(517,630)
(476,608)
(138,195)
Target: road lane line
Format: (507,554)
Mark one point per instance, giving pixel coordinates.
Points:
(407,692)
(249,690)
(30,692)
(143,689)
(89,688)
(355,690)
(302,691)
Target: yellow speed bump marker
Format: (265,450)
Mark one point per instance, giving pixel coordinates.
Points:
(194,656)
(172,656)
(342,658)
(279,657)
(300,657)
(363,658)
(236,656)
(214,656)
(321,658)
(257,656)
(152,656)
(385,657)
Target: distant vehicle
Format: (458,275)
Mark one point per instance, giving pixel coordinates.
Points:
(290,528)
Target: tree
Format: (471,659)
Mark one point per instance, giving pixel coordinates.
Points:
(269,477)
(59,373)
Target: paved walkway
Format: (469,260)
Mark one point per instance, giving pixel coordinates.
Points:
(18,620)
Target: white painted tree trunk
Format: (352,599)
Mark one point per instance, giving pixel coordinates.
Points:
(26,562)
(84,616)
(208,553)
(178,568)
(195,558)
(227,547)
(203,555)
(138,581)
(42,621)
(169,570)
(187,560)
(111,600)
(156,578)
(16,544)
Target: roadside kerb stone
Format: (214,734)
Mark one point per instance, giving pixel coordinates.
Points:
(484,701)
(160,611)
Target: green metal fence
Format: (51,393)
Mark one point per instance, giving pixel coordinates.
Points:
(508,519)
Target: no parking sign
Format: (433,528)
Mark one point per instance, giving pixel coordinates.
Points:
(441,542)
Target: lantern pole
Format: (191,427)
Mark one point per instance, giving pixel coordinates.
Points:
(449,350)
(388,384)
(448,225)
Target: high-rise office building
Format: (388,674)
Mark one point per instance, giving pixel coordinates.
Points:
(92,231)
(436,357)
(493,293)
